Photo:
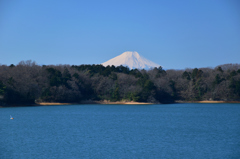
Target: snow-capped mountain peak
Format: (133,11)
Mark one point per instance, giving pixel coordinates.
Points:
(131,59)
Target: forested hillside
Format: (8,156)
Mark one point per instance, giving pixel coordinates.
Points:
(27,83)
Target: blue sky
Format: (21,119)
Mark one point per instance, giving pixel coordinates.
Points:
(175,34)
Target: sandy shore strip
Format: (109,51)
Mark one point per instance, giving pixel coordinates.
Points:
(207,101)
(122,102)
(46,103)
(108,102)
(94,102)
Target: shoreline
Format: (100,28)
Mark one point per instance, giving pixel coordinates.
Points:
(130,102)
(80,103)
(94,102)
(208,101)
(114,103)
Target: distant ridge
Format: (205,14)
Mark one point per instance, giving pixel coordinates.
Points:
(131,59)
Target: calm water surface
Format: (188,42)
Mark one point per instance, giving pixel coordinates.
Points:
(121,131)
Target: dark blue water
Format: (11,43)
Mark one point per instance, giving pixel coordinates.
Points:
(121,131)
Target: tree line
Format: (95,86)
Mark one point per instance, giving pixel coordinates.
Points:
(28,83)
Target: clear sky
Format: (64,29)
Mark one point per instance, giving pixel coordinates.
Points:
(176,34)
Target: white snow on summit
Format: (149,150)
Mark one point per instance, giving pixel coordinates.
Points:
(131,59)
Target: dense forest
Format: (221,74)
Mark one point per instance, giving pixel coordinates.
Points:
(28,83)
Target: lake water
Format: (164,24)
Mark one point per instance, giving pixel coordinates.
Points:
(121,131)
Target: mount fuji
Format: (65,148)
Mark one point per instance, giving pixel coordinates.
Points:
(131,59)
